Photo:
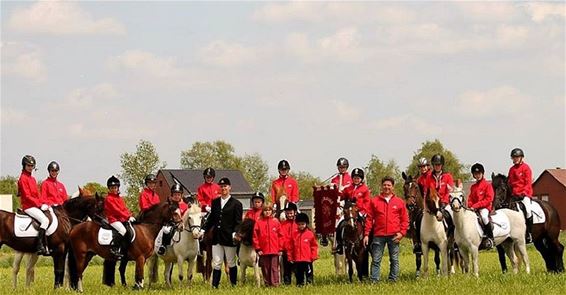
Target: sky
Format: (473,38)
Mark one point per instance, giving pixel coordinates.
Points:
(83,82)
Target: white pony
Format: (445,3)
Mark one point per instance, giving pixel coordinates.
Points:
(432,232)
(185,245)
(509,231)
(247,255)
(30,267)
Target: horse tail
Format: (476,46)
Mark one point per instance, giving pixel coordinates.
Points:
(73,273)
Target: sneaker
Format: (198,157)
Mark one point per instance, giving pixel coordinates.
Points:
(161,250)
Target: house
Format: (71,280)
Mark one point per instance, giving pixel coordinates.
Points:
(551,186)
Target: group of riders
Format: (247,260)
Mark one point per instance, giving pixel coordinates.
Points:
(225,213)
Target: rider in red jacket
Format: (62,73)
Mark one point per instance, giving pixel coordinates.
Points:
(148,197)
(342,180)
(116,212)
(52,190)
(303,250)
(207,191)
(358,192)
(442,181)
(481,199)
(254,213)
(286,182)
(266,241)
(520,180)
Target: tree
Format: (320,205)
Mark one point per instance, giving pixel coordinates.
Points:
(451,162)
(96,187)
(306,181)
(135,167)
(255,170)
(9,186)
(377,169)
(218,154)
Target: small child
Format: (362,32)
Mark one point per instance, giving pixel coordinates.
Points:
(266,241)
(304,250)
(257,207)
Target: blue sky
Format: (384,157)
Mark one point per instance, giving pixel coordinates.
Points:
(83,82)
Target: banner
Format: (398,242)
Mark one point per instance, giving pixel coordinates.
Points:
(325,204)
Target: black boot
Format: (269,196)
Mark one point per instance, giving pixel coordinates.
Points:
(165,241)
(42,243)
(488,231)
(528,236)
(115,248)
(233,275)
(417,248)
(216,277)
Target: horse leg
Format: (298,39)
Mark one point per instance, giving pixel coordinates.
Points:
(465,259)
(542,247)
(437,260)
(425,248)
(122,270)
(502,261)
(153,268)
(18,256)
(30,268)
(190,269)
(475,261)
(558,252)
(510,251)
(167,273)
(140,262)
(521,248)
(418,263)
(350,269)
(444,257)
(109,272)
(59,269)
(180,270)
(81,262)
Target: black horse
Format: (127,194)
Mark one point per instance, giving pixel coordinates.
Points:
(545,235)
(353,235)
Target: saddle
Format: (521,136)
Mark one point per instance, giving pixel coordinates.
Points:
(536,210)
(107,234)
(500,222)
(27,227)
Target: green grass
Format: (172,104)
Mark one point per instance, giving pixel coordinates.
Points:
(491,280)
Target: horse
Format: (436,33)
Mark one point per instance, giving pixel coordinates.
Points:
(280,200)
(84,241)
(354,250)
(186,247)
(247,255)
(545,235)
(30,267)
(415,204)
(433,233)
(468,237)
(204,262)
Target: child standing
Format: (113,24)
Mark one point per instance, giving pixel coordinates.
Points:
(266,241)
(303,250)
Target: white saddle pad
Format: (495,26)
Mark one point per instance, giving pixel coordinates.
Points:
(501,225)
(24,229)
(538,214)
(159,240)
(105,236)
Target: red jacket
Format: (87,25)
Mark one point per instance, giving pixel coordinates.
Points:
(267,235)
(254,214)
(288,230)
(441,185)
(481,195)
(422,181)
(346,181)
(520,180)
(361,194)
(304,247)
(291,188)
(148,198)
(53,192)
(183,207)
(115,209)
(27,190)
(387,218)
(207,192)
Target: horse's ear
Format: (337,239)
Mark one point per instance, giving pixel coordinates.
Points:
(404,175)
(460,184)
(492,175)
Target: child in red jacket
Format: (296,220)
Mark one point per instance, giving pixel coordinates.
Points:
(303,250)
(266,241)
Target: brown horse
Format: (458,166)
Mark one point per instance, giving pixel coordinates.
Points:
(204,262)
(545,235)
(84,240)
(353,235)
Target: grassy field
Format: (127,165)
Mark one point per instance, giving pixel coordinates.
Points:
(491,280)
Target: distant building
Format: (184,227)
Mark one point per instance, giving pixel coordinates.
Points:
(550,186)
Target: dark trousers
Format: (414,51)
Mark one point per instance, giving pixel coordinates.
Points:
(304,270)
(287,269)
(270,269)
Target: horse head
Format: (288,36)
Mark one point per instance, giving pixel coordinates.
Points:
(502,191)
(457,197)
(350,213)
(163,213)
(192,220)
(245,231)
(411,192)
(432,203)
(84,205)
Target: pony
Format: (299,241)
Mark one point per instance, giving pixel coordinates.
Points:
(246,254)
(469,238)
(354,250)
(433,233)
(84,241)
(545,235)
(204,262)
(280,200)
(415,204)
(186,247)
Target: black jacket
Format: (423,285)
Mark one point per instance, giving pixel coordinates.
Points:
(225,221)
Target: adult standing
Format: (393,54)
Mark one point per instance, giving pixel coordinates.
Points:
(225,217)
(521,183)
(207,191)
(52,190)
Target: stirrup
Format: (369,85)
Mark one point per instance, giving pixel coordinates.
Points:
(116,252)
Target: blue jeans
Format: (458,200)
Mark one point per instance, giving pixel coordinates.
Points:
(377,248)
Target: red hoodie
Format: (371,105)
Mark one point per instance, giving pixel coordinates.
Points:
(27,190)
(520,179)
(267,236)
(387,218)
(422,181)
(207,192)
(148,198)
(346,181)
(361,194)
(291,188)
(115,209)
(254,214)
(288,230)
(441,184)
(481,195)
(53,192)
(304,247)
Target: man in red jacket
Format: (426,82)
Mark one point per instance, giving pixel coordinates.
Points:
(285,185)
(207,191)
(389,220)
(116,212)
(521,182)
(481,199)
(148,197)
(52,190)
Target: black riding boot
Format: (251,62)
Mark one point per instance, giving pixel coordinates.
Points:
(116,248)
(489,241)
(528,236)
(216,277)
(339,240)
(165,241)
(42,248)
(233,275)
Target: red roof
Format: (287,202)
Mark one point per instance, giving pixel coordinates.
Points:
(558,174)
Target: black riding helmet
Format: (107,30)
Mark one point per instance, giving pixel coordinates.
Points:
(28,160)
(517,152)
(150,178)
(477,168)
(291,206)
(343,162)
(53,166)
(176,188)
(209,172)
(358,172)
(283,165)
(258,195)
(437,159)
(302,217)
(113,181)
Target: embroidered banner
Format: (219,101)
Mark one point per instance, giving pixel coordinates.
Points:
(325,204)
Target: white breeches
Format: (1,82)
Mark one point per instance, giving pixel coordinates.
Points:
(527,201)
(117,225)
(484,214)
(218,253)
(38,215)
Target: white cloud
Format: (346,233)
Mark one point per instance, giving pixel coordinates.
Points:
(222,53)
(146,63)
(497,101)
(344,46)
(23,60)
(61,18)
(490,11)
(87,97)
(406,122)
(346,111)
(11,116)
(541,11)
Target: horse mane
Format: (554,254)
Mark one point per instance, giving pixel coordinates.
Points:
(193,209)
(498,181)
(430,202)
(246,230)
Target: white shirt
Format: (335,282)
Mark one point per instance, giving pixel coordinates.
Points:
(223,201)
(387,198)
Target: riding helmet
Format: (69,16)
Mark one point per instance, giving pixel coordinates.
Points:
(53,166)
(437,159)
(176,188)
(150,178)
(423,162)
(302,217)
(343,162)
(283,165)
(291,206)
(478,168)
(28,160)
(517,152)
(258,195)
(358,172)
(224,181)
(112,181)
(209,172)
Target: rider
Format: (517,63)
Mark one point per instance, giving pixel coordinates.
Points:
(52,190)
(286,182)
(520,181)
(148,196)
(342,180)
(32,203)
(207,191)
(168,232)
(441,181)
(288,230)
(425,174)
(257,202)
(481,199)
(117,214)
